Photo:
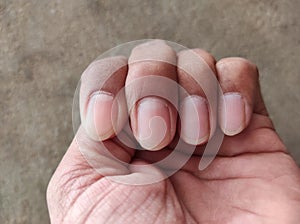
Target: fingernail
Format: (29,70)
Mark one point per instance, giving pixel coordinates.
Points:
(194,120)
(100,116)
(232,118)
(153,123)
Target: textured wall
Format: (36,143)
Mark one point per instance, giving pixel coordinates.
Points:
(45,45)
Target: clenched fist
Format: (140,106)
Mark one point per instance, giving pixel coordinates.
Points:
(252,179)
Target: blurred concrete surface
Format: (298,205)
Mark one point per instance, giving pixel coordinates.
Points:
(45,45)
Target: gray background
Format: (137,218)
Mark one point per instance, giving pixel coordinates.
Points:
(45,45)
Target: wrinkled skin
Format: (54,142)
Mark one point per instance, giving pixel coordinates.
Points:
(252,180)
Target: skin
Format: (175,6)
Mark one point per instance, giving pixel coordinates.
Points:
(252,179)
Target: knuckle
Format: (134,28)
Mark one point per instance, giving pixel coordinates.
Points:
(156,50)
(205,55)
(103,67)
(240,66)
(198,56)
(199,52)
(146,68)
(150,44)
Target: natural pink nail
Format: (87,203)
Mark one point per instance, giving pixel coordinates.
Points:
(100,116)
(194,120)
(232,114)
(153,123)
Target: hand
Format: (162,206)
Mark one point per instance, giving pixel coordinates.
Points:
(252,180)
